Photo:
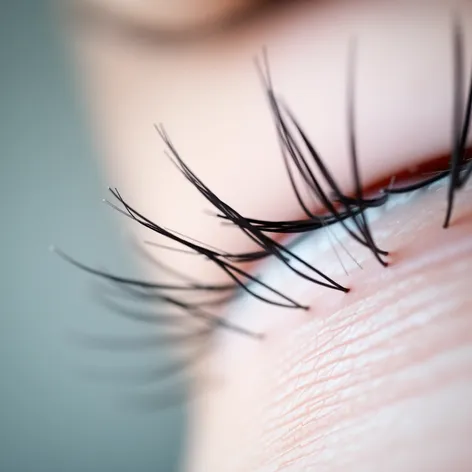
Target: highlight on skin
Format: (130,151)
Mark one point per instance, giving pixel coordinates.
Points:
(375,379)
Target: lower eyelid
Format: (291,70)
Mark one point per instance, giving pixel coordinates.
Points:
(358,354)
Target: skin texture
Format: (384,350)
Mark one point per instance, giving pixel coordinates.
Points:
(379,379)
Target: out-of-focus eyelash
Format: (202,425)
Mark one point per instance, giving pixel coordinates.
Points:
(299,155)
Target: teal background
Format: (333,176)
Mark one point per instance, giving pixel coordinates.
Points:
(52,416)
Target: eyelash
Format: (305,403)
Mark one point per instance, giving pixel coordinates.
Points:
(339,208)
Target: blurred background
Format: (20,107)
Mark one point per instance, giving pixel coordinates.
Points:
(54,417)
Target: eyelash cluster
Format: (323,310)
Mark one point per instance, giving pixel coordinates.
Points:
(300,157)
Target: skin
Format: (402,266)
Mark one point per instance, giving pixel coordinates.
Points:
(179,15)
(379,379)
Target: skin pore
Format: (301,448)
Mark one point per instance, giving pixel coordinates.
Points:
(379,379)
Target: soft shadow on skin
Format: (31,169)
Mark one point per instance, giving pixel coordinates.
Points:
(97,19)
(379,379)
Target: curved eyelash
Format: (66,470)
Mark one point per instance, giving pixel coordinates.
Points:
(299,156)
(353,211)
(270,246)
(338,207)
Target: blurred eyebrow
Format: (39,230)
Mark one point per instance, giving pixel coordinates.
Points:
(100,18)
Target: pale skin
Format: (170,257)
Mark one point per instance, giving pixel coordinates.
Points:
(379,379)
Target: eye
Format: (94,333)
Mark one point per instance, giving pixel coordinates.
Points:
(211,104)
(176,17)
(336,210)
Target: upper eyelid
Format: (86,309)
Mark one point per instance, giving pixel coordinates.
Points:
(315,142)
(457,71)
(193,179)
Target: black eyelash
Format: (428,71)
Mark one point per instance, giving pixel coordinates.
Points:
(459,126)
(353,211)
(300,157)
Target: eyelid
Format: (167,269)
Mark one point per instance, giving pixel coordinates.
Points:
(382,156)
(271,246)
